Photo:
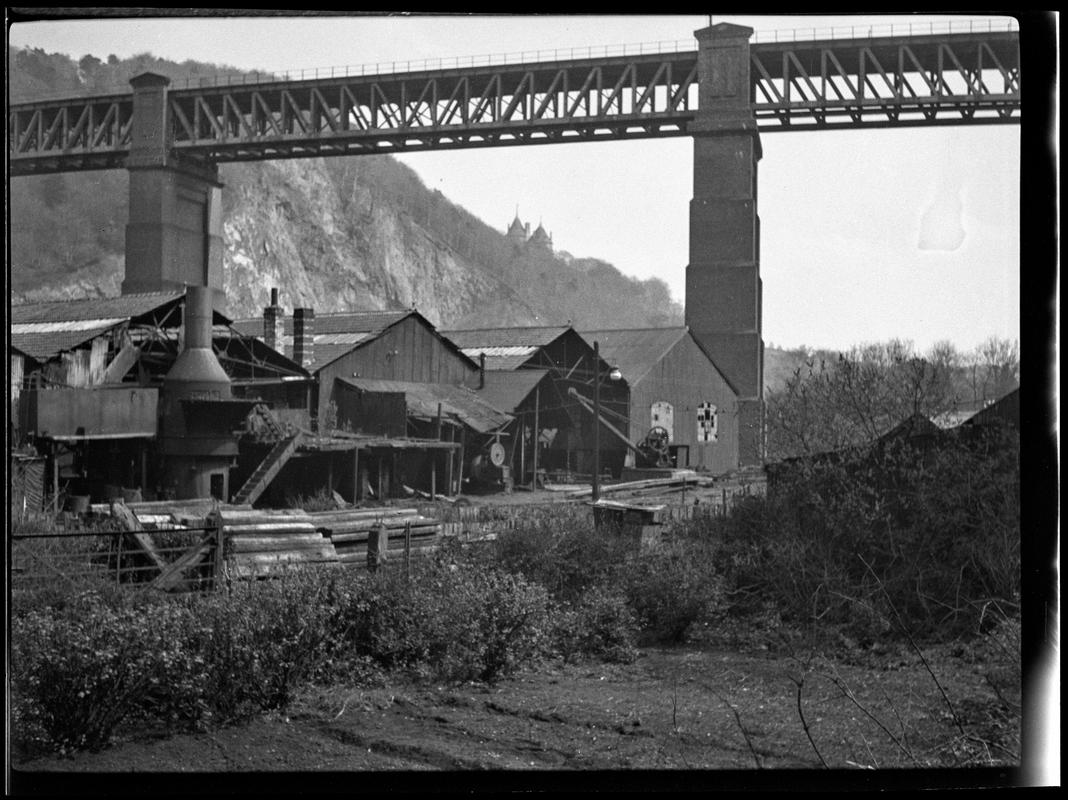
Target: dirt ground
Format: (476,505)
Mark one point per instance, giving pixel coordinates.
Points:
(674,718)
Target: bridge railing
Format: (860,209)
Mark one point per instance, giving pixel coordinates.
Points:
(917,28)
(894,29)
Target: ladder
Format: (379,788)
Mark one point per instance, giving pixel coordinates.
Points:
(272,463)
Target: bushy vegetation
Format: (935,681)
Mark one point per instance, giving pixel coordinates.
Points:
(905,537)
(899,542)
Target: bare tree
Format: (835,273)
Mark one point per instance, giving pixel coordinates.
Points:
(830,405)
(1001,360)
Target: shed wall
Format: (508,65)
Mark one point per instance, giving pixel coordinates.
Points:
(409,351)
(685,378)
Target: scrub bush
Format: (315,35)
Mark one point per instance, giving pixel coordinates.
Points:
(567,556)
(672,588)
(913,538)
(81,671)
(599,624)
(449,622)
(261,640)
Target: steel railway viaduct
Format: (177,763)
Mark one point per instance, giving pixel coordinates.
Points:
(724,94)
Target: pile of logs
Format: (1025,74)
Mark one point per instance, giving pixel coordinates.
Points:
(267,542)
(350,529)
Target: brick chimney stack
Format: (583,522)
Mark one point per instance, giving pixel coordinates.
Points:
(273,323)
(304,336)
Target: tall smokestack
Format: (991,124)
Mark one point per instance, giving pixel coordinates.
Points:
(273,323)
(304,336)
(481,370)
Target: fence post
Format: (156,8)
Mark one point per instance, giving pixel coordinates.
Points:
(214,520)
(118,559)
(408,550)
(377,545)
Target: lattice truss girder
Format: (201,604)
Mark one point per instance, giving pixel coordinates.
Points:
(923,80)
(462,108)
(93,130)
(920,80)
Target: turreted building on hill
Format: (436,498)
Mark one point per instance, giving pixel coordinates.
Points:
(524,241)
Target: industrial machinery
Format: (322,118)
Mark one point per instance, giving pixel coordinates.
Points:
(654,448)
(490,467)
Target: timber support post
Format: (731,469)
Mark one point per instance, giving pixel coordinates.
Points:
(723,287)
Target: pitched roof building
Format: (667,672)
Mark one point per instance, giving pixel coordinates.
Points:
(674,385)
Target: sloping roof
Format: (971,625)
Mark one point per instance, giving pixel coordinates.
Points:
(335,334)
(370,323)
(43,330)
(126,306)
(505,348)
(507,390)
(500,358)
(1005,409)
(422,400)
(535,336)
(45,340)
(635,351)
(911,427)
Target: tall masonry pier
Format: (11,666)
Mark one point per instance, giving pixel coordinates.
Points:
(174,233)
(723,289)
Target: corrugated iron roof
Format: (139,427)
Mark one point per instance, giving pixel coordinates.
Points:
(501,358)
(333,334)
(44,341)
(481,338)
(422,400)
(635,350)
(369,323)
(126,306)
(507,390)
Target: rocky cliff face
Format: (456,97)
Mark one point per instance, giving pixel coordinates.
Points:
(331,247)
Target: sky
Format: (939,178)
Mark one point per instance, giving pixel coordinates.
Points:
(865,235)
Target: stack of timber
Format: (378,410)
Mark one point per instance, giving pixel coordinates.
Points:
(349,530)
(265,543)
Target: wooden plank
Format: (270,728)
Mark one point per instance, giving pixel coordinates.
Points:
(121,364)
(324,553)
(143,541)
(259,544)
(173,573)
(254,516)
(269,528)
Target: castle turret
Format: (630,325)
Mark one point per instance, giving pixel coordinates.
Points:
(541,239)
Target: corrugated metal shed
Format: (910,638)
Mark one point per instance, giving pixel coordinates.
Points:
(422,400)
(508,390)
(634,351)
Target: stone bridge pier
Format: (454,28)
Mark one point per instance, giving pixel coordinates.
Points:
(723,288)
(174,230)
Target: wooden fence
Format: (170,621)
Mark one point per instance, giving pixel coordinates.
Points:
(197,547)
(180,559)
